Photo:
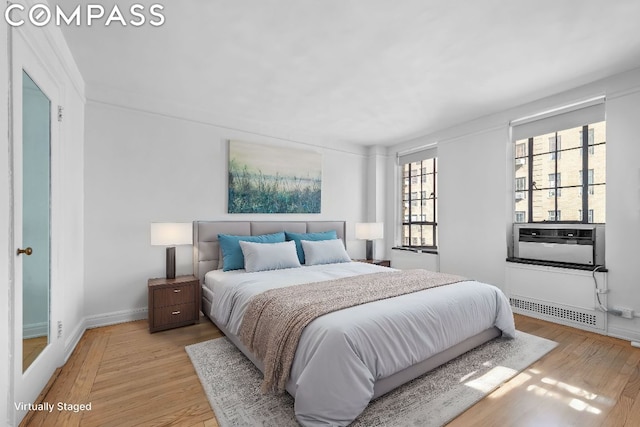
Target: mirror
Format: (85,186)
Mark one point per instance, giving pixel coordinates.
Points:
(36,196)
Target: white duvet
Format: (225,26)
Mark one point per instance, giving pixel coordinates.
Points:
(341,354)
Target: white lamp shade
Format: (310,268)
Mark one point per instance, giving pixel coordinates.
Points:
(171,233)
(369,230)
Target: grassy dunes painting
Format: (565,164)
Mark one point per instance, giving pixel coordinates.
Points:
(270,179)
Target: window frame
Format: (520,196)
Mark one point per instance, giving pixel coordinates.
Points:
(409,220)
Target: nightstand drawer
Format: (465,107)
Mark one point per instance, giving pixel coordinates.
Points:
(174,314)
(173,302)
(173,295)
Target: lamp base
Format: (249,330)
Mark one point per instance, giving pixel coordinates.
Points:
(369,250)
(171,262)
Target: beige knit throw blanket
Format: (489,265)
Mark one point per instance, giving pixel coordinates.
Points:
(274,320)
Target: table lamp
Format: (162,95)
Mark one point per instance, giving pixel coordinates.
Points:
(369,231)
(170,234)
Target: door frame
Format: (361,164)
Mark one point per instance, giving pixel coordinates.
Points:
(25,387)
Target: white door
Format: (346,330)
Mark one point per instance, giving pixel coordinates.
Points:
(37,347)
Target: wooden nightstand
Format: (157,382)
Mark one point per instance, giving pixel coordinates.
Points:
(173,302)
(381,262)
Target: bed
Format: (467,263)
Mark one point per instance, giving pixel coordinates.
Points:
(348,357)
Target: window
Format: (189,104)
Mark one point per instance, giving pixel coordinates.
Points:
(521,155)
(419,202)
(521,216)
(554,146)
(565,166)
(554,182)
(591,134)
(554,216)
(590,218)
(521,184)
(590,176)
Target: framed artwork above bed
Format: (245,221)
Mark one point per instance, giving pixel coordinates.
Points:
(270,179)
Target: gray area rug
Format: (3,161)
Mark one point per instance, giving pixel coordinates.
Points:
(232,385)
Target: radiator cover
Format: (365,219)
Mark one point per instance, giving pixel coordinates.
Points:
(559,295)
(591,320)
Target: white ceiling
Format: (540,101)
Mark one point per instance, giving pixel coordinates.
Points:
(360,71)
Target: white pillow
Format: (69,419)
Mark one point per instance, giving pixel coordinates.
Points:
(324,251)
(269,256)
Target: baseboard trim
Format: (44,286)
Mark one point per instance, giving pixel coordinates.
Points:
(115,317)
(623,333)
(74,339)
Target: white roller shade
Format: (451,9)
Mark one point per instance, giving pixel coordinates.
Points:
(576,115)
(418,155)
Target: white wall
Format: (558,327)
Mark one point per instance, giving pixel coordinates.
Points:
(143,167)
(475,192)
(623,209)
(472,194)
(376,194)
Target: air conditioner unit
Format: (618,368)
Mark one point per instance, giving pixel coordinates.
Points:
(519,195)
(521,161)
(569,243)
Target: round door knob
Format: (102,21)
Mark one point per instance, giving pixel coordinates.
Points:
(26,251)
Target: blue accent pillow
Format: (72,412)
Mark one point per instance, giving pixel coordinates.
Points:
(232,257)
(297,237)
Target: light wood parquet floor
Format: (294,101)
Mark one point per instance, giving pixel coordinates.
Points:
(133,378)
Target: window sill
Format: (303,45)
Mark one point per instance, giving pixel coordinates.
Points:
(557,264)
(433,251)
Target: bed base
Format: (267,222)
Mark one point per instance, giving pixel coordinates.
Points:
(382,385)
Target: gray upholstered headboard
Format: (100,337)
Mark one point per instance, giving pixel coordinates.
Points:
(206,249)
